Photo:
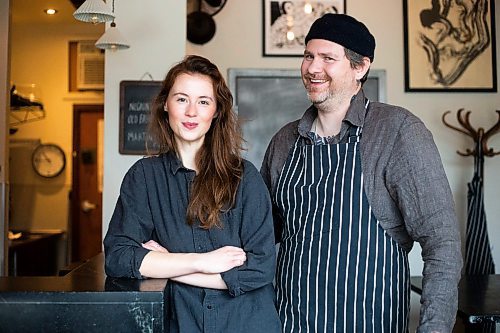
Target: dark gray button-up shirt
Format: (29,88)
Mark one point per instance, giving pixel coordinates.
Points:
(152,205)
(407,188)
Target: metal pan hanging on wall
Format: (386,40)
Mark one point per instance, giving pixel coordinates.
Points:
(200,23)
(200,27)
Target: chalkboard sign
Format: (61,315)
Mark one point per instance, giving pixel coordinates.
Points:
(136,101)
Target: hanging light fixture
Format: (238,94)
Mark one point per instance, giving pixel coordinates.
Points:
(112,39)
(94,11)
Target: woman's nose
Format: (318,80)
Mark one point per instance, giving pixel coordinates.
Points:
(191,110)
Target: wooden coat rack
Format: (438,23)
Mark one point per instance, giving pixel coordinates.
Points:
(480,136)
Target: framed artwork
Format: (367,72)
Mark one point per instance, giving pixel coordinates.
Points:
(268,99)
(450,45)
(286,23)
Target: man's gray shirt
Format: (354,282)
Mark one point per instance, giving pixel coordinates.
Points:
(408,191)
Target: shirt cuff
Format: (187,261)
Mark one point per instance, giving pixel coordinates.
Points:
(232,282)
(139,254)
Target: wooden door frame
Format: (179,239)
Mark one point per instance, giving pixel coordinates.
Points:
(73,230)
(4,128)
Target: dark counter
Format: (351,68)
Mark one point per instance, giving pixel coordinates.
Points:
(35,253)
(478,301)
(84,300)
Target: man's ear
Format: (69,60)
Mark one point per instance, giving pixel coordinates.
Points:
(363,69)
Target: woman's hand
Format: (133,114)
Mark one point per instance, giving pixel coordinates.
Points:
(213,262)
(221,260)
(154,246)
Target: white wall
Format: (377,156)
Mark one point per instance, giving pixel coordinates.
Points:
(158,38)
(238,43)
(158,42)
(156,31)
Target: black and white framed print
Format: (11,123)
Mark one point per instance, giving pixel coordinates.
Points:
(286,23)
(450,45)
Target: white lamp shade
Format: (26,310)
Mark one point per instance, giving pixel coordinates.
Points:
(95,11)
(112,39)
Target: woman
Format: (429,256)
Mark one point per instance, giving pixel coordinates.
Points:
(197,213)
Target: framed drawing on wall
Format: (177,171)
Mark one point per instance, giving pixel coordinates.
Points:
(268,99)
(450,45)
(286,23)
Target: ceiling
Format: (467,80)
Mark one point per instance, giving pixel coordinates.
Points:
(32,11)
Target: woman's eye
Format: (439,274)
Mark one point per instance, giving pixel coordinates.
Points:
(205,102)
(181,99)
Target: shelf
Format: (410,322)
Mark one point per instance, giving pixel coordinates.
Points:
(25,114)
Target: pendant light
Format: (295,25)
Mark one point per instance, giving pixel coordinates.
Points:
(112,39)
(94,11)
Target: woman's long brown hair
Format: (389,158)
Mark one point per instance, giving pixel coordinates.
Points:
(219,160)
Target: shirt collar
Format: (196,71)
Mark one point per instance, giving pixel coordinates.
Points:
(357,110)
(174,161)
(355,114)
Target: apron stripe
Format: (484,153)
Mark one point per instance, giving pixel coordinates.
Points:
(329,246)
(311,259)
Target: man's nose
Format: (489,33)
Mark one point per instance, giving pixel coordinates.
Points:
(315,66)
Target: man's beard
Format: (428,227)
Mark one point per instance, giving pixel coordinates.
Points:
(318,98)
(332,95)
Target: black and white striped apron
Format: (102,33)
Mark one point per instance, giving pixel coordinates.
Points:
(338,270)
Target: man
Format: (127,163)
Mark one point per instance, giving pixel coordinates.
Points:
(354,183)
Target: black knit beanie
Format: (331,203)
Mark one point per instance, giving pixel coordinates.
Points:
(344,30)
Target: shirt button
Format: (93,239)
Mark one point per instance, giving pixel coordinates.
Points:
(209,307)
